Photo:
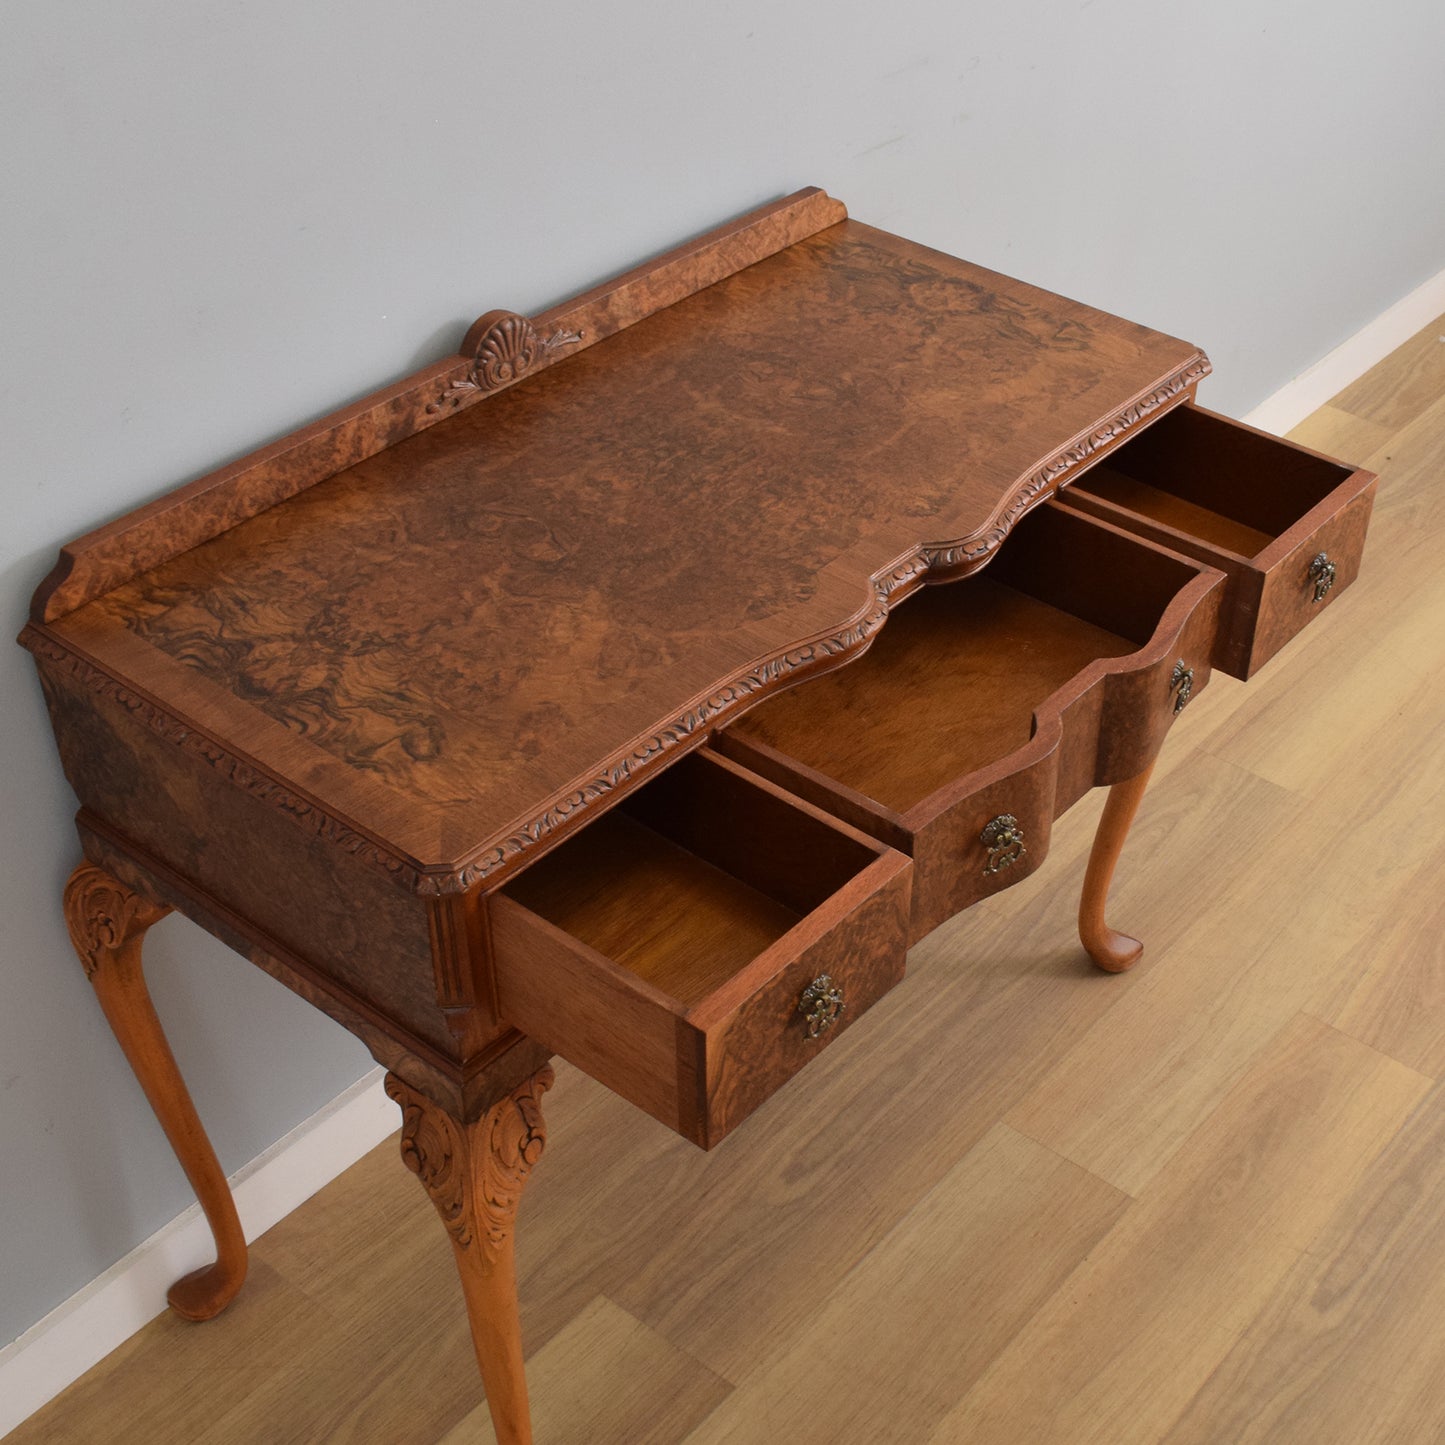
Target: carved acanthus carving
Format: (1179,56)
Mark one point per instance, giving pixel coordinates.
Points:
(475,1173)
(505,351)
(103,915)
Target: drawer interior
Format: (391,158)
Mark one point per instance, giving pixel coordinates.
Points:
(692,877)
(1203,476)
(952,680)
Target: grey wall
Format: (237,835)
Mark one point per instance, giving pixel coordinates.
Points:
(219,221)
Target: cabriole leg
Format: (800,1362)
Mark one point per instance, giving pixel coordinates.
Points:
(107,922)
(1112,951)
(475,1174)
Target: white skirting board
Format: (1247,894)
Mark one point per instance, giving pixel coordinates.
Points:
(95,1320)
(132,1292)
(1351,359)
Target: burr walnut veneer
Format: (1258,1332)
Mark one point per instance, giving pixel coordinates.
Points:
(586,693)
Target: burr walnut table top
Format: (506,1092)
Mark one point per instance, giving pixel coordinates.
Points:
(453,645)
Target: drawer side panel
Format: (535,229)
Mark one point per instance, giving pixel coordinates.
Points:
(590,1011)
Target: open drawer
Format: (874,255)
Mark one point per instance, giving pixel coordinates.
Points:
(696,946)
(986,707)
(1285,523)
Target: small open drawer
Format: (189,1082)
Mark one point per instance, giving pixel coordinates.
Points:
(1286,524)
(986,707)
(696,946)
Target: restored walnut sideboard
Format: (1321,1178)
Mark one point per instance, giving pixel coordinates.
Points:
(588,694)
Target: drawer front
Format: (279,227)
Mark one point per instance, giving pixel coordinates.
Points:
(1297,588)
(768,895)
(986,835)
(1258,508)
(1141,705)
(824,986)
(992,829)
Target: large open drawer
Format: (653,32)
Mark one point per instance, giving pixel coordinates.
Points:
(987,707)
(698,945)
(1286,524)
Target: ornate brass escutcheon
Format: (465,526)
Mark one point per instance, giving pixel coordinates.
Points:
(1004,840)
(1322,574)
(821,1005)
(1181,683)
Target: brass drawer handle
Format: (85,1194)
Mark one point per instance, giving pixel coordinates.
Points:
(1181,683)
(1004,840)
(820,1005)
(1322,574)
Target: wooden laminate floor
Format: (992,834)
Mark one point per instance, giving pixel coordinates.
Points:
(1199,1204)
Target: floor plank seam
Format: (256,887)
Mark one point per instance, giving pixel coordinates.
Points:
(1373,1048)
(1059,1154)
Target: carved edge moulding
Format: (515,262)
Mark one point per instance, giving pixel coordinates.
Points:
(503,348)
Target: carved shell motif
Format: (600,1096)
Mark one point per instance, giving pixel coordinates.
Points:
(507,349)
